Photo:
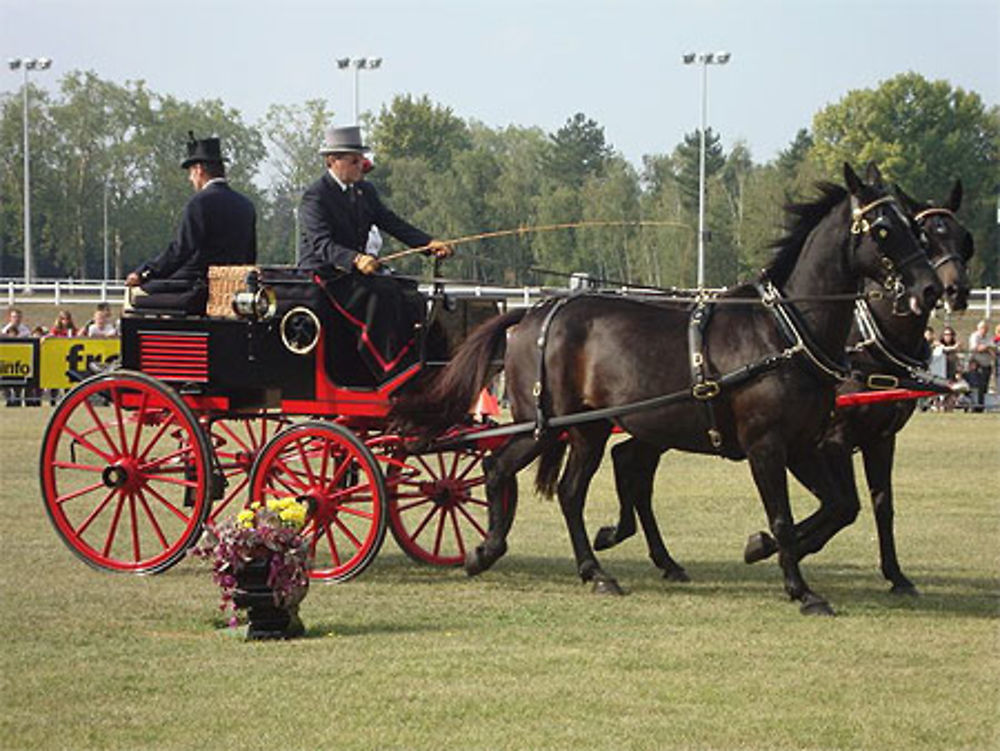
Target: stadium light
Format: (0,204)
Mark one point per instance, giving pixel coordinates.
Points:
(705,59)
(358,64)
(26,64)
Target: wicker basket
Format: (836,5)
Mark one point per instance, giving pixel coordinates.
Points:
(223,283)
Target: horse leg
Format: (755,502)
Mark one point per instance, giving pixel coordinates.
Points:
(767,464)
(625,480)
(635,466)
(828,473)
(501,496)
(585,452)
(878,458)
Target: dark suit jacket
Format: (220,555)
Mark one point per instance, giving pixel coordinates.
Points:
(218,227)
(335,230)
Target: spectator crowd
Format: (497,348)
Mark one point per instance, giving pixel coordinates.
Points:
(101,326)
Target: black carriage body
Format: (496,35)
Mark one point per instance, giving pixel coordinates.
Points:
(226,364)
(240,359)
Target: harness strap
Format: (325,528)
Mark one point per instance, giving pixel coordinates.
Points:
(538,388)
(702,388)
(914,372)
(796,333)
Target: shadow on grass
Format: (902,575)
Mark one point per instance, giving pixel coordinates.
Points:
(848,587)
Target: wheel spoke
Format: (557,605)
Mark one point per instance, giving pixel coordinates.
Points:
(113,529)
(458,532)
(154,440)
(427,517)
(152,519)
(347,532)
(95,513)
(60,500)
(140,414)
(82,440)
(166,503)
(305,462)
(470,518)
(99,424)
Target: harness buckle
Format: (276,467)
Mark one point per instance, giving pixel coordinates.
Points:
(705,391)
(536,390)
(882,381)
(715,438)
(697,360)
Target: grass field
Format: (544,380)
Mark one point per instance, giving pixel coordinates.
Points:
(525,657)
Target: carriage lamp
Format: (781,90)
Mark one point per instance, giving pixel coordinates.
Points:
(255,302)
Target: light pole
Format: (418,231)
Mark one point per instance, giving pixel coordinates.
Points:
(27,63)
(705,59)
(358,64)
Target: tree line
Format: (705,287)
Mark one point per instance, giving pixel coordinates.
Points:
(96,144)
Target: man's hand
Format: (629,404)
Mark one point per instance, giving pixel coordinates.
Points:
(133,280)
(439,249)
(365,263)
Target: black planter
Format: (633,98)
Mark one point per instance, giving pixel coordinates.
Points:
(266,620)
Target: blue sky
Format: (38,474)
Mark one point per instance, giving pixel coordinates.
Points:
(525,63)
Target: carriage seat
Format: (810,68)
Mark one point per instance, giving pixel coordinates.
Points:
(173,298)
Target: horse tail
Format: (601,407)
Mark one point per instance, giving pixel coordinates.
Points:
(549,464)
(446,399)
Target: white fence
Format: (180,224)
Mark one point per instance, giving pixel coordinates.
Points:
(982,302)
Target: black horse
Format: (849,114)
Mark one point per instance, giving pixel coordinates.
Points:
(889,344)
(768,371)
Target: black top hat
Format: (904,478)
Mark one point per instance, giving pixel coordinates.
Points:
(205,150)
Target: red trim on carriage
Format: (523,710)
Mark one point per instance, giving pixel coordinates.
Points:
(873,397)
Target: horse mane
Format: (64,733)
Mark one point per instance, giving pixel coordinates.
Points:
(805,217)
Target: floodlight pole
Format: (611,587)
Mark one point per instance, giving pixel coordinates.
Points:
(705,59)
(26,64)
(358,63)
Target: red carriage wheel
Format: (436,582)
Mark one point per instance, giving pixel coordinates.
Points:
(337,472)
(236,442)
(125,471)
(437,505)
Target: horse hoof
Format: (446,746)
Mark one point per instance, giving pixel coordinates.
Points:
(676,574)
(759,546)
(906,589)
(605,538)
(607,587)
(474,563)
(815,605)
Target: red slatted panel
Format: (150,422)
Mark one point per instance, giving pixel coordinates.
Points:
(174,356)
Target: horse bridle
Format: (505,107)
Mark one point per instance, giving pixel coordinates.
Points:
(938,211)
(860,225)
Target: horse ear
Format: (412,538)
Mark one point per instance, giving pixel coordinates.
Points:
(911,206)
(955,199)
(854,183)
(873,176)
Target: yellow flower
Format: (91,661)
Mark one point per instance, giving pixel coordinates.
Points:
(245,518)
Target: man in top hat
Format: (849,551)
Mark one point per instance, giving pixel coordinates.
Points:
(338,211)
(336,215)
(218,227)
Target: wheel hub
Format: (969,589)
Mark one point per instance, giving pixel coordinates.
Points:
(445,492)
(122,475)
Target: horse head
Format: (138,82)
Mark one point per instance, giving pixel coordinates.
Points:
(947,242)
(884,247)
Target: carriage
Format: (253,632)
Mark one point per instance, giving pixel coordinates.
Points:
(264,396)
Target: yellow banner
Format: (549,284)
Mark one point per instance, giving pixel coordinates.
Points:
(60,355)
(17,363)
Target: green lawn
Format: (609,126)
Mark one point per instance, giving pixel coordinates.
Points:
(524,656)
